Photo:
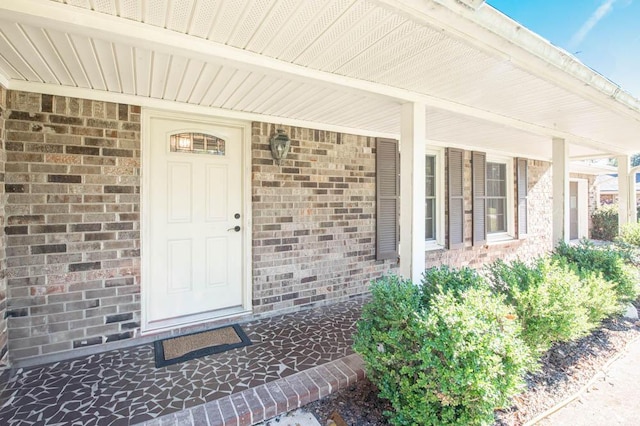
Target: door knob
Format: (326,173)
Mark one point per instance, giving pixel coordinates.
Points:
(235,228)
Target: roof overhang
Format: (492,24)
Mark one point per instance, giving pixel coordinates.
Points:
(583,168)
(343,65)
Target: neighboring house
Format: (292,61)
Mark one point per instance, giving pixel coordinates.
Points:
(142,198)
(608,189)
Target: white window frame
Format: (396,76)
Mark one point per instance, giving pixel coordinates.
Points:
(439,242)
(510,210)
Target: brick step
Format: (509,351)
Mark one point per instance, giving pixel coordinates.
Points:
(266,401)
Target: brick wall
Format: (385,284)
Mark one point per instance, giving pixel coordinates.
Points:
(538,239)
(72,221)
(612,198)
(313,219)
(4,334)
(72,183)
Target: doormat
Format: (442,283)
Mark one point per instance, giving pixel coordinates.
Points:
(195,345)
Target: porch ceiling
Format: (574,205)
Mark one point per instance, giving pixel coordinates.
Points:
(346,64)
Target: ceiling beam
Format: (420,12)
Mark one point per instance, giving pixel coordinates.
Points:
(593,156)
(61,17)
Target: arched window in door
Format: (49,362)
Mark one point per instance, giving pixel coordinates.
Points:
(197,143)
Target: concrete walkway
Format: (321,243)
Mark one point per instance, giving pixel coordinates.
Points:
(294,418)
(612,399)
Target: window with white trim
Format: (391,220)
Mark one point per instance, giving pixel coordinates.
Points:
(430,198)
(499,213)
(496,197)
(434,199)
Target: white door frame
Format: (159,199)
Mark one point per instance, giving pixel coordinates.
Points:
(145,213)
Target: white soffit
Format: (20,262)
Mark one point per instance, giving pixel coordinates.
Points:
(391,44)
(456,130)
(42,55)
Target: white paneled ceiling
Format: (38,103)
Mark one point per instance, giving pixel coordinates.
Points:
(50,56)
(343,63)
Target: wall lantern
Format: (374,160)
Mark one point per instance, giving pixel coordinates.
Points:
(280,145)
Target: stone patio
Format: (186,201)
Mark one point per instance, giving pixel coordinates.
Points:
(295,359)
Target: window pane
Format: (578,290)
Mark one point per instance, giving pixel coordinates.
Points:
(493,188)
(429,222)
(496,218)
(429,167)
(197,143)
(496,197)
(496,180)
(430,197)
(430,187)
(494,170)
(430,178)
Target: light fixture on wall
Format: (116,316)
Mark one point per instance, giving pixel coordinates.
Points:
(280,144)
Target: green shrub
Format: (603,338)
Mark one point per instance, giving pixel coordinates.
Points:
(444,279)
(630,253)
(601,298)
(612,263)
(605,223)
(448,356)
(630,234)
(548,298)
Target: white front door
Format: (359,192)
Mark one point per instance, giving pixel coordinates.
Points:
(195,208)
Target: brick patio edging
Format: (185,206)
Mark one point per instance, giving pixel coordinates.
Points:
(266,401)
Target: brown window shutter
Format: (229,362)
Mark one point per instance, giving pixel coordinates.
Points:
(387,198)
(455,171)
(523,190)
(479,166)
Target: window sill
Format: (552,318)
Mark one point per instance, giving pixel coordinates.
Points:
(432,246)
(499,239)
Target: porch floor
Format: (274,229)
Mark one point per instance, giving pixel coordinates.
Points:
(123,387)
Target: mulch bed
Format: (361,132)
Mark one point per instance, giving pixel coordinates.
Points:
(565,369)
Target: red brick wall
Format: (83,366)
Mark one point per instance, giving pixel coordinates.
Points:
(72,183)
(313,219)
(538,239)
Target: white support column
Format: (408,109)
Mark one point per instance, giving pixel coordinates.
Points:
(412,190)
(560,191)
(624,199)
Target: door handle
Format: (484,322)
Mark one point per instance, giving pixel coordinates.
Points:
(235,228)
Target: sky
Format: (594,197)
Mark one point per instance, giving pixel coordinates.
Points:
(603,34)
